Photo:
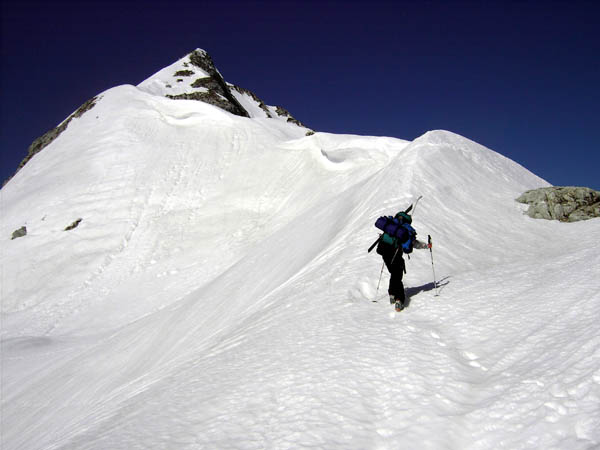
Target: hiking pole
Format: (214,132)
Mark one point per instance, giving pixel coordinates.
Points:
(432,266)
(379,282)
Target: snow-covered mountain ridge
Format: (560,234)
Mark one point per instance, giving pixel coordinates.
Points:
(195,77)
(218,294)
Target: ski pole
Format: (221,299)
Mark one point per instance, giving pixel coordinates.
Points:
(432,266)
(379,282)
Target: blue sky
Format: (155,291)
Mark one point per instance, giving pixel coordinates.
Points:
(522,78)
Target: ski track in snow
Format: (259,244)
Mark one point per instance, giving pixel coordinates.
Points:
(217,293)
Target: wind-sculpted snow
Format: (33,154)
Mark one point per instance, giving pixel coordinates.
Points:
(217,292)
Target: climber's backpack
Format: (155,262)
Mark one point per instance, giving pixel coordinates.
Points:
(396,233)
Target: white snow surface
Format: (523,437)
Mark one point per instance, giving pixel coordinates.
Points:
(217,293)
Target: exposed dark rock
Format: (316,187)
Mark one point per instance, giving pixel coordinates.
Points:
(282,111)
(567,204)
(43,141)
(309,133)
(285,113)
(74,224)
(202,60)
(206,82)
(184,73)
(210,97)
(261,104)
(19,233)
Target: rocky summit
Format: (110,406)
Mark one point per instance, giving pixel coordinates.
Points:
(195,77)
(564,203)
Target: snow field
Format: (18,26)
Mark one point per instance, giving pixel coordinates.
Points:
(217,293)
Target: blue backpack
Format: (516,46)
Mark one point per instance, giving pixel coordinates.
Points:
(397,233)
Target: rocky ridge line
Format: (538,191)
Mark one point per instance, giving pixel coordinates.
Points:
(217,92)
(47,138)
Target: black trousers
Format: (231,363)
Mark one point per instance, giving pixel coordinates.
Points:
(395,265)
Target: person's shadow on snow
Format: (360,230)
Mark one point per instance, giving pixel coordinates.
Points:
(412,291)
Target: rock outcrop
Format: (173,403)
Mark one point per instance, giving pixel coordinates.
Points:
(19,233)
(567,204)
(195,77)
(74,225)
(215,91)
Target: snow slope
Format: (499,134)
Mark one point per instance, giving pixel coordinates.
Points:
(218,293)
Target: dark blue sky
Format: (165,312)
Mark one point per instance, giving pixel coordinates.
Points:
(522,78)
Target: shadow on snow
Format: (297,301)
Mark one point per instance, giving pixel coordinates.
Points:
(412,291)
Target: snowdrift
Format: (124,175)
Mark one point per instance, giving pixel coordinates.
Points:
(217,292)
